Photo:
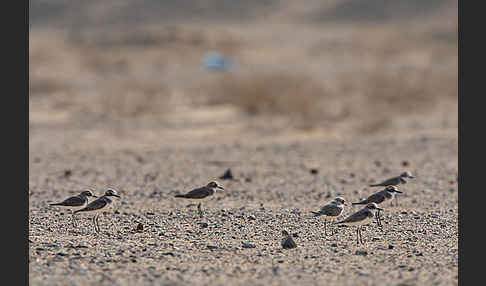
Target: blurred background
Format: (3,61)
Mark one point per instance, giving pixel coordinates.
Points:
(165,71)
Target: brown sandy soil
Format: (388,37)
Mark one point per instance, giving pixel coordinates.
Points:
(130,107)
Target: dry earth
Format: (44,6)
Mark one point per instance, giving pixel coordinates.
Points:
(273,190)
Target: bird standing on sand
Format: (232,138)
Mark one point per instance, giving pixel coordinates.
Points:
(99,205)
(387,194)
(287,241)
(395,181)
(331,210)
(360,218)
(201,193)
(75,203)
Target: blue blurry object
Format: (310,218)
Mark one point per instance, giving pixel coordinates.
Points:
(217,62)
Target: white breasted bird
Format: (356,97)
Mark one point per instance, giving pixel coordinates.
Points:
(75,203)
(201,193)
(99,205)
(360,218)
(331,210)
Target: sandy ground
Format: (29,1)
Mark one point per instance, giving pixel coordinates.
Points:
(273,190)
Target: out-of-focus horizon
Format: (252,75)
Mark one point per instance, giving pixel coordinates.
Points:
(335,68)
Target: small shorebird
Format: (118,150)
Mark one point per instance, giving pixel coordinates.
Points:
(201,193)
(75,203)
(332,210)
(395,181)
(387,194)
(360,218)
(287,241)
(99,205)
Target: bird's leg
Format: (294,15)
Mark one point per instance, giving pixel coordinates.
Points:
(199,210)
(378,218)
(74,219)
(357,236)
(94,223)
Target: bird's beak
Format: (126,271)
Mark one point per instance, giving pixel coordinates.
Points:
(94,196)
(380,209)
(221,188)
(398,191)
(345,204)
(117,196)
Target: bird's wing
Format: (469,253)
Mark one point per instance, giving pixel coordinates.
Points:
(331,210)
(198,193)
(72,201)
(94,205)
(376,198)
(358,216)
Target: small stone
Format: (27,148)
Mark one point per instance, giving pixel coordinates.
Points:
(361,252)
(295,234)
(334,245)
(203,224)
(314,171)
(251,217)
(247,245)
(390,246)
(140,227)
(405,163)
(227,175)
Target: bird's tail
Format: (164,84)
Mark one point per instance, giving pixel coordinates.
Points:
(316,213)
(55,204)
(375,185)
(179,196)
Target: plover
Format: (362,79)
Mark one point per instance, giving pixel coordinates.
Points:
(99,205)
(201,193)
(332,210)
(75,203)
(387,194)
(395,181)
(360,218)
(287,241)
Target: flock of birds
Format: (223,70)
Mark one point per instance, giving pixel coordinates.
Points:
(334,209)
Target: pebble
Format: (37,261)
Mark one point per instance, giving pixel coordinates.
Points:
(361,252)
(247,245)
(203,224)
